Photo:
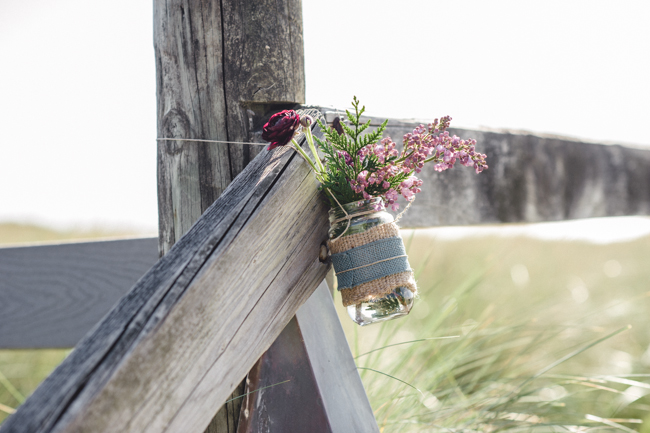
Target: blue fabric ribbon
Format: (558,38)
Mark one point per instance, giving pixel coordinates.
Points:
(372,257)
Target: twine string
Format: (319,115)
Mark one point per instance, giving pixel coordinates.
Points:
(347,217)
(353,215)
(370,264)
(209,141)
(404,211)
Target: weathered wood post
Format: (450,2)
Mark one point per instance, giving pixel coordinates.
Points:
(222,66)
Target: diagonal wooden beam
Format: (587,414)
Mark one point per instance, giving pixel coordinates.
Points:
(172,350)
(532,178)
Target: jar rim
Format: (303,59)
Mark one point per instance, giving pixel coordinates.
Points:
(355,207)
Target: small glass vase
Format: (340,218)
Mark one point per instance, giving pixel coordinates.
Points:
(396,304)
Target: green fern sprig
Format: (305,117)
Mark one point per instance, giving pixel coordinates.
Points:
(358,166)
(337,179)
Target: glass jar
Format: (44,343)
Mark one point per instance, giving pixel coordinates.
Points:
(396,304)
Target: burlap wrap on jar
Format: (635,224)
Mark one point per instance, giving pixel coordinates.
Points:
(371,264)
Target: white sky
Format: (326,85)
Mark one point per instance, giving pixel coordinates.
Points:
(77,85)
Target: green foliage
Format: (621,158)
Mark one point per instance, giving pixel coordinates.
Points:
(21,371)
(339,174)
(488,354)
(480,352)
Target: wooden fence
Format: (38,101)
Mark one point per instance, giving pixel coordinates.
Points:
(238,292)
(203,315)
(54,294)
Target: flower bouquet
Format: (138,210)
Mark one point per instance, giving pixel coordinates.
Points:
(362,173)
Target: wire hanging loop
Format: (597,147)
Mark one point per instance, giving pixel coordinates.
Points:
(209,141)
(347,217)
(401,214)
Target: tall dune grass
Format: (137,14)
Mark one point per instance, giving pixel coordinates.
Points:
(509,334)
(514,334)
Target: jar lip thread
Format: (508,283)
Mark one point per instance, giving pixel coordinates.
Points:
(355,207)
(356,217)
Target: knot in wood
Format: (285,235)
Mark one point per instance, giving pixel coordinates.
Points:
(324,253)
(175,124)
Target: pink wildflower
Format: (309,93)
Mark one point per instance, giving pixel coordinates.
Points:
(407,193)
(391,199)
(343,154)
(425,143)
(385,149)
(440,167)
(409,187)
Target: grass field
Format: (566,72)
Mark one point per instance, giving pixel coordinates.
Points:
(495,317)
(20,234)
(514,307)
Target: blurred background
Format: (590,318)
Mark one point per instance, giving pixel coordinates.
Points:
(77,115)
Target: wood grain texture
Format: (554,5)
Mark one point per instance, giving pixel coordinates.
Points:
(531,178)
(188,42)
(231,283)
(53,294)
(221,68)
(263,65)
(227,417)
(335,370)
(284,393)
(191,104)
(324,392)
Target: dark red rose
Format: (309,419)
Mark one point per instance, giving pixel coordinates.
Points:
(280,128)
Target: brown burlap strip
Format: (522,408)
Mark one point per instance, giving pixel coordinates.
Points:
(378,288)
(388,230)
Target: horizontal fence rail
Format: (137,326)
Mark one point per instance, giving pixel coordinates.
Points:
(52,295)
(169,354)
(530,179)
